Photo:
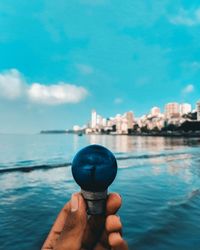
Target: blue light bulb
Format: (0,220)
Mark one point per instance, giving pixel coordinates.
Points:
(94,168)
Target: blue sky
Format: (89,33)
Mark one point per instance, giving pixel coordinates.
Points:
(59,59)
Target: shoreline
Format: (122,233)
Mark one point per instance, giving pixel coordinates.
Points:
(150,134)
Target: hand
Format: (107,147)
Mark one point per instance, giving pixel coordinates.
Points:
(73,230)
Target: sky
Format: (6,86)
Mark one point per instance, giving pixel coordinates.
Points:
(61,59)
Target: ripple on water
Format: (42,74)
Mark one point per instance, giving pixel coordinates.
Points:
(158,178)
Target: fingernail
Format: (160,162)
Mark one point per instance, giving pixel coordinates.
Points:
(74,203)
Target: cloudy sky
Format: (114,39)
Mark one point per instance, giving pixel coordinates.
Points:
(59,59)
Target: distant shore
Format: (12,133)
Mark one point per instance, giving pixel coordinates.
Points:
(160,134)
(170,134)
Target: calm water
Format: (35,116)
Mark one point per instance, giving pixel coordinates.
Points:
(158,178)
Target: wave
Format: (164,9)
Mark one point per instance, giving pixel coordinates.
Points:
(168,220)
(149,156)
(186,200)
(20,168)
(32,168)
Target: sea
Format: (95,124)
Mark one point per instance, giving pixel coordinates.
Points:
(158,179)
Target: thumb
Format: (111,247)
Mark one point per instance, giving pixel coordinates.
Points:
(72,234)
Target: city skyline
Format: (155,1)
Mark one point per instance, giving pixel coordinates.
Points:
(174,114)
(60,59)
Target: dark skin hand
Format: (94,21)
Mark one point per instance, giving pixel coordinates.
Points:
(73,230)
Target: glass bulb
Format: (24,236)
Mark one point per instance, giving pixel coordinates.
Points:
(94,168)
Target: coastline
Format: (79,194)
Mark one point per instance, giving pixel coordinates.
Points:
(149,134)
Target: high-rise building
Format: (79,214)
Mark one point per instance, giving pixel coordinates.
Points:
(185,108)
(99,121)
(198,111)
(118,122)
(104,122)
(124,126)
(155,111)
(172,110)
(130,119)
(94,119)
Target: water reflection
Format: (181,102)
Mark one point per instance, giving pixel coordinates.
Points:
(117,143)
(125,144)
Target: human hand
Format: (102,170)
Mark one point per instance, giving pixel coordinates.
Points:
(73,230)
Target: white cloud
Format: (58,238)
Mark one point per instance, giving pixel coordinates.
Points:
(188,18)
(56,94)
(85,69)
(11,84)
(118,100)
(188,89)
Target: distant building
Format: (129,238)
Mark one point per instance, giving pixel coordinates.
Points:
(172,110)
(124,126)
(155,111)
(198,111)
(111,122)
(151,121)
(94,119)
(174,113)
(130,119)
(118,122)
(104,122)
(99,121)
(185,108)
(76,128)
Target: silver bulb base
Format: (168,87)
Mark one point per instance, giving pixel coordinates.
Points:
(96,202)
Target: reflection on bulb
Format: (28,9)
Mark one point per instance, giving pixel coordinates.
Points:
(94,168)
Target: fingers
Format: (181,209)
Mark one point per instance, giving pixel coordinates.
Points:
(69,227)
(116,242)
(112,238)
(113,204)
(96,224)
(114,227)
(113,224)
(68,230)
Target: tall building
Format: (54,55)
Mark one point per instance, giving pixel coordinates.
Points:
(155,111)
(99,121)
(124,126)
(198,111)
(172,110)
(94,119)
(130,119)
(185,108)
(104,122)
(118,122)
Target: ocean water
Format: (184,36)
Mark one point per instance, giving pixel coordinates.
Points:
(158,179)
